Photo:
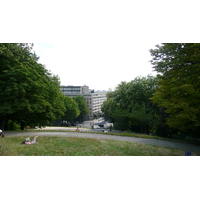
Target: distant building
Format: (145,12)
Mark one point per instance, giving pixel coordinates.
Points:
(94,100)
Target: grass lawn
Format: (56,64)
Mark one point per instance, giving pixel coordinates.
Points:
(64,146)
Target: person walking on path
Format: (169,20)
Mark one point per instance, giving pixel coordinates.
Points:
(1,133)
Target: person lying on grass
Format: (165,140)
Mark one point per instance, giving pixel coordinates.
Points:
(28,141)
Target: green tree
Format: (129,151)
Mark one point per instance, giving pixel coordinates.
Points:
(29,93)
(51,109)
(82,105)
(178,65)
(72,110)
(129,107)
(108,107)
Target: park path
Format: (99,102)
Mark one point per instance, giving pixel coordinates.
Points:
(177,145)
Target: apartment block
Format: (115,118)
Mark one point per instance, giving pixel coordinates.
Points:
(94,100)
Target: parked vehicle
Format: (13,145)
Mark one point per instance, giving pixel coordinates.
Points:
(65,123)
(95,126)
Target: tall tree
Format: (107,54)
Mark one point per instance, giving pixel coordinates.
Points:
(28,91)
(82,105)
(130,107)
(179,84)
(72,109)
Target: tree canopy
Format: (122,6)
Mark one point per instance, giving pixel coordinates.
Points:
(178,89)
(72,109)
(130,107)
(29,92)
(82,105)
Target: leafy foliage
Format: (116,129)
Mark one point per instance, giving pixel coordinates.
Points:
(179,84)
(72,109)
(129,107)
(82,107)
(29,93)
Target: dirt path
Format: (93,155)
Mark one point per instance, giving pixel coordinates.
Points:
(157,142)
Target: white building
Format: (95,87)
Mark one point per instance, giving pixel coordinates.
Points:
(94,100)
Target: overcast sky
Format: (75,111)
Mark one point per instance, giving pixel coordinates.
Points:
(100,64)
(98,43)
(102,44)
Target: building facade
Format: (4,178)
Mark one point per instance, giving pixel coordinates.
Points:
(94,100)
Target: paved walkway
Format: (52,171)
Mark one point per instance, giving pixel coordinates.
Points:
(157,142)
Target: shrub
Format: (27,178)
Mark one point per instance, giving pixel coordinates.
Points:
(11,125)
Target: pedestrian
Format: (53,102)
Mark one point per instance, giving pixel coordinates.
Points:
(28,141)
(77,129)
(1,133)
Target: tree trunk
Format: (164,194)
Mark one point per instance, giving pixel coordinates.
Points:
(147,129)
(22,125)
(2,122)
(2,125)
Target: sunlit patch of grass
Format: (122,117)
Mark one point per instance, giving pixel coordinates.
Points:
(69,146)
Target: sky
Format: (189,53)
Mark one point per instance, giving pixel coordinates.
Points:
(101,65)
(98,43)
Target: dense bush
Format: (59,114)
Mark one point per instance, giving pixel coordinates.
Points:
(11,125)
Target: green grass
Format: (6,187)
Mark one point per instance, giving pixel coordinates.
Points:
(64,146)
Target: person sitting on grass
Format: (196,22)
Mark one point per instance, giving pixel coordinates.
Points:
(1,133)
(28,141)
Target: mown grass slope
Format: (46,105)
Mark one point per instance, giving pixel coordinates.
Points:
(69,146)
